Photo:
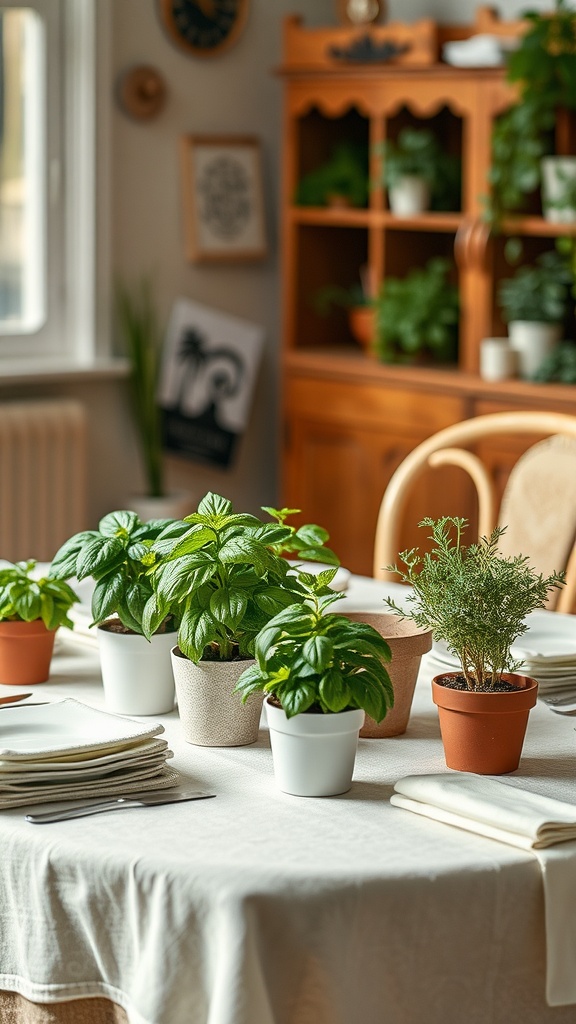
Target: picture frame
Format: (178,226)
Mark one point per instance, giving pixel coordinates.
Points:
(223,198)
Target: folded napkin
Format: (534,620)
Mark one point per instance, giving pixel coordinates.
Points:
(520,818)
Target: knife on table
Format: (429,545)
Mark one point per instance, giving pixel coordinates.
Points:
(117,803)
(14,697)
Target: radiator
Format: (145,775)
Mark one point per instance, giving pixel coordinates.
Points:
(43,451)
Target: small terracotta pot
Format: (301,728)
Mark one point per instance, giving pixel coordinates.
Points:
(407,643)
(25,652)
(484,732)
(362,324)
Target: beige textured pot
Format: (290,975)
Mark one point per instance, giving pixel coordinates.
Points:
(212,715)
(407,644)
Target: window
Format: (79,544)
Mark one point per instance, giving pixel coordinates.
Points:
(48,178)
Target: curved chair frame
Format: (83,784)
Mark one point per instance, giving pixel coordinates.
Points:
(439,450)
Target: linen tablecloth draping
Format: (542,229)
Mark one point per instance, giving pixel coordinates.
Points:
(262,908)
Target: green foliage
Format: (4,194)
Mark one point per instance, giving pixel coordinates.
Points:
(118,557)
(333,295)
(222,573)
(559,365)
(472,598)
(24,598)
(539,292)
(544,66)
(309,659)
(345,174)
(417,152)
(418,315)
(140,335)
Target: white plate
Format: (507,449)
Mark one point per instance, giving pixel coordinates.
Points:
(64,727)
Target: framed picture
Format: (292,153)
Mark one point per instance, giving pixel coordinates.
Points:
(223,198)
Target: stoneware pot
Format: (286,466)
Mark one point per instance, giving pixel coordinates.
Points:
(25,652)
(313,754)
(136,672)
(410,195)
(484,732)
(407,644)
(212,715)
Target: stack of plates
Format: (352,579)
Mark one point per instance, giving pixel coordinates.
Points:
(67,751)
(547,651)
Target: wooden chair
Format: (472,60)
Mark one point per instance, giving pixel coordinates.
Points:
(538,506)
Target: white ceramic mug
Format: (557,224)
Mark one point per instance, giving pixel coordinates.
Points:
(498,359)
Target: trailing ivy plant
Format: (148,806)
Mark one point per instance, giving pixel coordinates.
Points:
(311,660)
(223,575)
(118,557)
(25,597)
(472,597)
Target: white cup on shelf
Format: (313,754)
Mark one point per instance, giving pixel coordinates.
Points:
(498,360)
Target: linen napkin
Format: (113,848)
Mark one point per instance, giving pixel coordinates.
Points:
(523,819)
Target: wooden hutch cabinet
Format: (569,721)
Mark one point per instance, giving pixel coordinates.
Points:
(348,420)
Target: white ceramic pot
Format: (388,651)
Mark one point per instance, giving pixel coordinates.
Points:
(136,673)
(171,506)
(314,754)
(532,342)
(558,176)
(498,360)
(410,195)
(212,715)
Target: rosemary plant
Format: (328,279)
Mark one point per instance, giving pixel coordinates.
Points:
(472,597)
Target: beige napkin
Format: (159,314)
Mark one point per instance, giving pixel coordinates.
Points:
(520,818)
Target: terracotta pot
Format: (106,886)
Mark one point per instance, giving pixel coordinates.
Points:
(212,715)
(362,327)
(407,644)
(484,732)
(25,652)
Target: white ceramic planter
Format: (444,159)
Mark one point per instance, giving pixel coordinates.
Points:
(136,673)
(411,195)
(314,754)
(558,175)
(532,342)
(212,715)
(498,360)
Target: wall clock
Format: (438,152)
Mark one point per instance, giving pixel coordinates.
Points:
(203,28)
(360,12)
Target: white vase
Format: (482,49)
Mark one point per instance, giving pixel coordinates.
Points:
(212,715)
(532,342)
(498,360)
(409,196)
(314,754)
(136,672)
(170,506)
(558,175)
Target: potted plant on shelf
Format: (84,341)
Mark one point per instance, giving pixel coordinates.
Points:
(342,181)
(417,316)
(544,68)
(534,303)
(225,576)
(476,601)
(32,608)
(359,309)
(140,334)
(320,672)
(136,670)
(415,170)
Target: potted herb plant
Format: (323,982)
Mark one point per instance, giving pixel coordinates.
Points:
(544,69)
(225,576)
(417,316)
(359,309)
(534,303)
(413,166)
(140,334)
(320,672)
(32,608)
(476,601)
(136,670)
(341,181)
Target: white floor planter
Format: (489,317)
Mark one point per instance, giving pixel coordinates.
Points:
(411,195)
(136,673)
(532,342)
(314,754)
(212,715)
(558,175)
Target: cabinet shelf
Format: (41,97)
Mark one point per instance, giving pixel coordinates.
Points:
(375,218)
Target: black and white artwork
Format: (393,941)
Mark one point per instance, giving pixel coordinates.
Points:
(209,369)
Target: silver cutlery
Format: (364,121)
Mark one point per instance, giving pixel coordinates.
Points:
(150,799)
(15,697)
(568,709)
(567,698)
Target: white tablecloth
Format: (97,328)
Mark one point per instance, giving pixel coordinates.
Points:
(262,908)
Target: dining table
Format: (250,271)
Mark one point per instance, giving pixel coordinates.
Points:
(257,907)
